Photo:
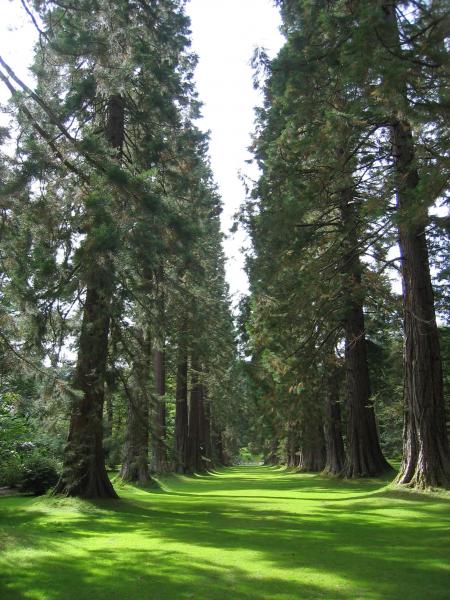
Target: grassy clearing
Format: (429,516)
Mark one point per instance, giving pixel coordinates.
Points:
(243,533)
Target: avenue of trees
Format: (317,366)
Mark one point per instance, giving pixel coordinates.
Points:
(113,282)
(118,348)
(352,145)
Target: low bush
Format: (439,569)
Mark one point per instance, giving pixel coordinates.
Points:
(39,474)
(11,470)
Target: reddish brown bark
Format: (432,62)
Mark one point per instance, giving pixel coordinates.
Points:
(364,455)
(426,461)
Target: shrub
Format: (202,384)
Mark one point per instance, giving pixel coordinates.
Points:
(11,470)
(39,474)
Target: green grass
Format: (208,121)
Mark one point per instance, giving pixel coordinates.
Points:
(242,533)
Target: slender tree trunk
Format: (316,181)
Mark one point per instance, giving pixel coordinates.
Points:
(195,463)
(108,419)
(292,445)
(205,429)
(109,415)
(159,447)
(364,455)
(135,461)
(426,461)
(84,472)
(335,451)
(181,408)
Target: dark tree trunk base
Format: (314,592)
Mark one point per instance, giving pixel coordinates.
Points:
(97,487)
(135,474)
(422,474)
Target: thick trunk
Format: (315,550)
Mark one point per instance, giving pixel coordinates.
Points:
(364,455)
(426,461)
(335,451)
(135,467)
(312,445)
(292,445)
(84,471)
(181,409)
(159,446)
(271,454)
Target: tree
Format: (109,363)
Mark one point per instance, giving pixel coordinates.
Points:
(426,452)
(95,65)
(310,222)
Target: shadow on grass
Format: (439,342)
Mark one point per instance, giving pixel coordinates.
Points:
(386,545)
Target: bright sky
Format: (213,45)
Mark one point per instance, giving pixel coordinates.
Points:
(224,35)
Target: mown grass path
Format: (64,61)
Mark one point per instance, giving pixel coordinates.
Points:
(242,533)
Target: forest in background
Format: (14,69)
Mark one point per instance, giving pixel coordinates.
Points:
(118,346)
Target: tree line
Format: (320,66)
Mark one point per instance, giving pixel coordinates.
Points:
(118,346)
(352,145)
(116,319)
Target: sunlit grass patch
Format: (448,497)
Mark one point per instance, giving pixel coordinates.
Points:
(240,533)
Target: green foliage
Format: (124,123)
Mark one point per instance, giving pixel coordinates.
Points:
(321,216)
(248,457)
(11,469)
(14,428)
(39,474)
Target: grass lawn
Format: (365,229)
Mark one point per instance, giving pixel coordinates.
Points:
(242,533)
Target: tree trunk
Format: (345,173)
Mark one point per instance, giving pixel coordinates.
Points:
(292,445)
(84,472)
(159,447)
(136,448)
(205,429)
(271,455)
(108,419)
(181,409)
(335,451)
(364,455)
(135,461)
(195,463)
(312,445)
(426,461)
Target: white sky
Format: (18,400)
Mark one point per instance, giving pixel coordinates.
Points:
(224,35)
